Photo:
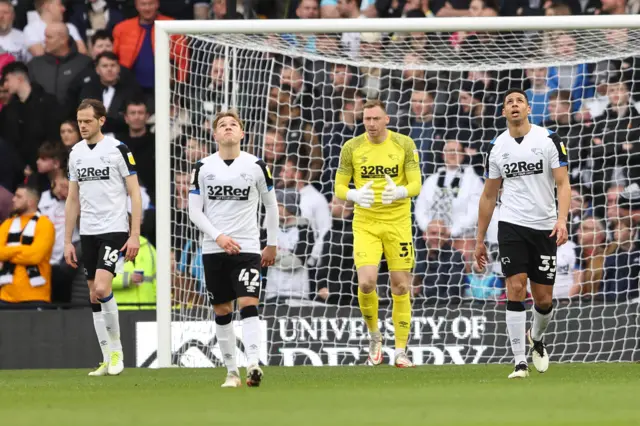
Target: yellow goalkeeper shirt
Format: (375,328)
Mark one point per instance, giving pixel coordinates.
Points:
(362,160)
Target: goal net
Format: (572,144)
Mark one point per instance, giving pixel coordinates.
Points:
(301,96)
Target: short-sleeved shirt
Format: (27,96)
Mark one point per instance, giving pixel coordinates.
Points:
(34,32)
(364,161)
(231,195)
(14,43)
(526,167)
(100,170)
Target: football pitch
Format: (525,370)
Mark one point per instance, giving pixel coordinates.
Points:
(568,394)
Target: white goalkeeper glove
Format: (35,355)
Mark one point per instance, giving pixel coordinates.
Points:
(392,191)
(363,197)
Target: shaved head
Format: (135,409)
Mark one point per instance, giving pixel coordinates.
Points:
(56,39)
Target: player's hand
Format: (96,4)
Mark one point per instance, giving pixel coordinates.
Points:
(70,255)
(561,233)
(481,255)
(392,191)
(269,255)
(364,196)
(228,244)
(130,248)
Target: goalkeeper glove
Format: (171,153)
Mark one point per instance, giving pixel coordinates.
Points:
(363,197)
(393,192)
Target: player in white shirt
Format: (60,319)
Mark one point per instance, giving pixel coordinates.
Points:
(530,162)
(226,189)
(101,176)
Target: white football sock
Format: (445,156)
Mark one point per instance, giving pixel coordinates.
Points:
(110,313)
(251,337)
(540,323)
(516,326)
(103,336)
(227,340)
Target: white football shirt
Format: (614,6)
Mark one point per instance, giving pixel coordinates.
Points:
(526,168)
(231,194)
(565,268)
(100,171)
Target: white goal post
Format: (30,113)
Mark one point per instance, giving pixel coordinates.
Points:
(163,99)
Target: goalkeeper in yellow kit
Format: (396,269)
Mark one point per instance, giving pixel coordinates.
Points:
(385,169)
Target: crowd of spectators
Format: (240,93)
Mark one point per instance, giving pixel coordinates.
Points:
(298,112)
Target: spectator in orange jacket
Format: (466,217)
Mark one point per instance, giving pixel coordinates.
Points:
(133,42)
(26,242)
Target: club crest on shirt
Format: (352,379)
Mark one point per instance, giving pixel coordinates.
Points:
(248,178)
(394,157)
(105,159)
(537,151)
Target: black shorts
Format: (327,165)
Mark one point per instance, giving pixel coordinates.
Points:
(529,251)
(228,277)
(101,252)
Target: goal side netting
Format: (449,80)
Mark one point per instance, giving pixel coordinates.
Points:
(300,96)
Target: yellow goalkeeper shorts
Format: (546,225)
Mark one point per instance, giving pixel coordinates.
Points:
(394,239)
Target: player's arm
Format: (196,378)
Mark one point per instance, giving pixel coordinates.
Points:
(559,166)
(71,212)
(486,206)
(37,251)
(412,173)
(271,220)
(127,168)
(196,206)
(362,196)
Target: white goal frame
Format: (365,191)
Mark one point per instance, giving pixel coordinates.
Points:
(165,29)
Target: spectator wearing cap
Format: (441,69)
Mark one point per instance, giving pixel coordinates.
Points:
(30,118)
(59,66)
(288,278)
(112,90)
(12,40)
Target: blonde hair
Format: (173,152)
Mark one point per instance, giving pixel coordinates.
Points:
(229,113)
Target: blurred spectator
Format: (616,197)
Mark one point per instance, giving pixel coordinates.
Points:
(449,8)
(451,195)
(438,275)
(622,264)
(135,282)
(579,209)
(141,143)
(274,150)
(49,12)
(629,204)
(112,90)
(614,7)
(307,9)
(59,66)
(188,284)
(26,242)
(422,129)
(30,118)
(196,148)
(288,278)
(51,162)
(133,42)
(537,94)
(11,171)
(63,276)
(348,9)
(567,273)
(6,203)
(69,133)
(90,16)
(219,10)
(591,243)
(12,40)
(313,207)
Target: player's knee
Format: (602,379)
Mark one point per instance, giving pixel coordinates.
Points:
(399,288)
(516,289)
(102,291)
(367,286)
(223,309)
(544,303)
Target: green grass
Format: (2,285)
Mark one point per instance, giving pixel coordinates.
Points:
(576,394)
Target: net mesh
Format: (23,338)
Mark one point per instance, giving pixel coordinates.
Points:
(301,98)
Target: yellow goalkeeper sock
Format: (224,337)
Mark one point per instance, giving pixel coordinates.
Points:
(401,315)
(369,307)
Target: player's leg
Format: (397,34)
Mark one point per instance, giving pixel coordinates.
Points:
(108,256)
(398,250)
(514,257)
(222,294)
(542,275)
(90,260)
(367,250)
(248,284)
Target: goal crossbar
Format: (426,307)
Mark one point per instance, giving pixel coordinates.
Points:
(165,29)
